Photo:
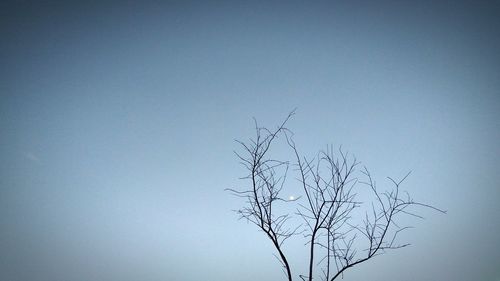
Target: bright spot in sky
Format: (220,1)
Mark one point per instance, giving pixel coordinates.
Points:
(291,197)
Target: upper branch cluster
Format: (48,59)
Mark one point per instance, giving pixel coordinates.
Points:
(329,187)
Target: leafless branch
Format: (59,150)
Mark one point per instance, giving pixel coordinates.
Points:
(328,206)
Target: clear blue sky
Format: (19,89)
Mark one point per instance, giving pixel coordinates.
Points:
(118,120)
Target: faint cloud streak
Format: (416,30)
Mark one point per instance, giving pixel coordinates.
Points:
(31,157)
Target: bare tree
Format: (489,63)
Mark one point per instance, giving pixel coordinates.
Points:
(331,226)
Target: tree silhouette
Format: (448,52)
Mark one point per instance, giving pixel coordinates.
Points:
(344,231)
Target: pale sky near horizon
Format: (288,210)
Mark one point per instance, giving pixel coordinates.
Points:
(118,121)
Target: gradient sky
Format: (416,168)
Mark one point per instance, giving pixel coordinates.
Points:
(118,120)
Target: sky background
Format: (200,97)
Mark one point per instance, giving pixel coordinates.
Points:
(118,121)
